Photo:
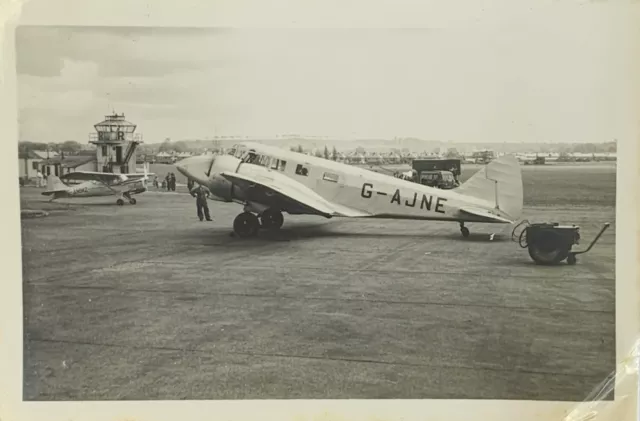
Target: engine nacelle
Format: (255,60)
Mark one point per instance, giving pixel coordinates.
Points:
(221,189)
(206,170)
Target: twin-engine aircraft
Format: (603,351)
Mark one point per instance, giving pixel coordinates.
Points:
(269,181)
(97,184)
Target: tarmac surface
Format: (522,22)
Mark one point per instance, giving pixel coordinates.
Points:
(146,302)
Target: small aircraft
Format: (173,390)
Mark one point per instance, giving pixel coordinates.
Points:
(269,181)
(96,184)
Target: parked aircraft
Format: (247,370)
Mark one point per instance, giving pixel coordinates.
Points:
(95,184)
(269,181)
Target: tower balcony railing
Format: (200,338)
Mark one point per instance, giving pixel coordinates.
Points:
(114,137)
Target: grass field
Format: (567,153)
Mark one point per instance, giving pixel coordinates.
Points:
(146,302)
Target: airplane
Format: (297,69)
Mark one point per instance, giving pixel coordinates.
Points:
(96,184)
(269,181)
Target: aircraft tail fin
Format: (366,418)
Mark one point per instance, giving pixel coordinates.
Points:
(145,168)
(499,182)
(54,184)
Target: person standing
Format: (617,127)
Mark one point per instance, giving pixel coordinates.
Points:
(40,179)
(173,182)
(201,193)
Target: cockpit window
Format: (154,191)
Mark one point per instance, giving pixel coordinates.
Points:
(250,157)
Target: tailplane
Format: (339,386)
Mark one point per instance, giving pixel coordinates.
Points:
(54,185)
(499,182)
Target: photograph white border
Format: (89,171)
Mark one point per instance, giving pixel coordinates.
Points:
(624,16)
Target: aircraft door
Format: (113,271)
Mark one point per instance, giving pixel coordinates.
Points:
(330,185)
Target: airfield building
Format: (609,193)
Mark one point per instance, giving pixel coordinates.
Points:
(116,143)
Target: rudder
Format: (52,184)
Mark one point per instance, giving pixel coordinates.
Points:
(499,182)
(54,184)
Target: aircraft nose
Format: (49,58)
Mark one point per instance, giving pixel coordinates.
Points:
(196,167)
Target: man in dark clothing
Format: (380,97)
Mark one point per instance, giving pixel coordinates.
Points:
(201,193)
(173,182)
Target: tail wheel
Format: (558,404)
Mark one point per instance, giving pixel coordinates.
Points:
(120,202)
(246,224)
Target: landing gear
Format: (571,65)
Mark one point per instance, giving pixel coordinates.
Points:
(464,230)
(246,225)
(132,201)
(120,202)
(271,219)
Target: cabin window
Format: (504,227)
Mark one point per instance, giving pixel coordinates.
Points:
(274,164)
(282,165)
(265,160)
(330,177)
(301,170)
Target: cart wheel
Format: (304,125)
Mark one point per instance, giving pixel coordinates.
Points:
(572,259)
(548,248)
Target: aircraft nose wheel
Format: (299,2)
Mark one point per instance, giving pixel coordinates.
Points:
(120,202)
(246,224)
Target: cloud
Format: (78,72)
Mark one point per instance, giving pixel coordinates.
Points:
(465,84)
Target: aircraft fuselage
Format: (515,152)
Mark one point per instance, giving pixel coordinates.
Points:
(97,189)
(263,177)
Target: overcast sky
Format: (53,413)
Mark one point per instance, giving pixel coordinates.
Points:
(532,80)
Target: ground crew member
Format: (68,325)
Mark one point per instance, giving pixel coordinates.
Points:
(201,193)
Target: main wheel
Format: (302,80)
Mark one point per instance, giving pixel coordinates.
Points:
(132,201)
(246,224)
(119,202)
(271,219)
(464,231)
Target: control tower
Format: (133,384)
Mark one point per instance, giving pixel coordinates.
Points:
(116,144)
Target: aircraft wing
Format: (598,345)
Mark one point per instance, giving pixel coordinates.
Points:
(138,176)
(94,176)
(483,213)
(300,197)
